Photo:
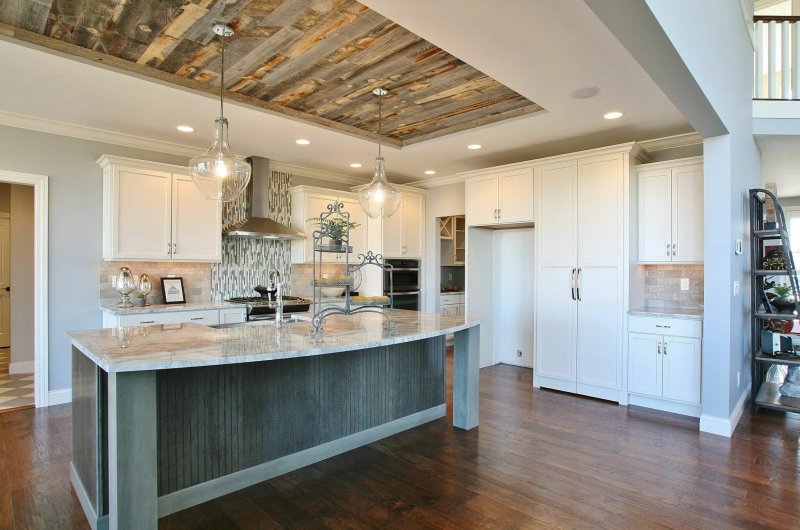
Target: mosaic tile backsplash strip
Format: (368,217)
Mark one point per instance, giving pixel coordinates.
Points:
(663,286)
(196,279)
(246,261)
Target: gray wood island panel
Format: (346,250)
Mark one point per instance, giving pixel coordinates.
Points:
(210,411)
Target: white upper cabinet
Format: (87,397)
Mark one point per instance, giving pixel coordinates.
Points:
(403,231)
(308,202)
(671,212)
(154,212)
(500,198)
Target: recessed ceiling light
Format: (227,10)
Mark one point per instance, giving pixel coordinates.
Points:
(302,141)
(430,172)
(613,115)
(474,146)
(584,92)
(185,128)
(355,165)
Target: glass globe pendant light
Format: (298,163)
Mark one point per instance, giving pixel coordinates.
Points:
(219,173)
(379,198)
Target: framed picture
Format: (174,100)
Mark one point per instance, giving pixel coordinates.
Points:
(173,290)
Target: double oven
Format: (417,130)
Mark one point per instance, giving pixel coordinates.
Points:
(404,286)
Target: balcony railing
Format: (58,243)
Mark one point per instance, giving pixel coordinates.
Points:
(777,56)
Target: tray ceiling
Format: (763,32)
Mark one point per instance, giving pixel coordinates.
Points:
(316,60)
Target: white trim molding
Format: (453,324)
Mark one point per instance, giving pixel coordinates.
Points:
(291,169)
(671,142)
(25,367)
(40,302)
(59,397)
(725,426)
(33,123)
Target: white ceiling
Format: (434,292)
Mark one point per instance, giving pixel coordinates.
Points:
(543,50)
(780,163)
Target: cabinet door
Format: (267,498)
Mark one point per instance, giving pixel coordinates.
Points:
(655,214)
(315,205)
(196,223)
(516,196)
(413,221)
(599,211)
(140,215)
(556,326)
(681,364)
(482,200)
(687,214)
(393,231)
(358,235)
(599,347)
(644,364)
(556,204)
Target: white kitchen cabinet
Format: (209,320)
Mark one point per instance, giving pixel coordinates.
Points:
(309,202)
(664,365)
(500,198)
(671,211)
(207,317)
(403,231)
(154,212)
(451,303)
(580,275)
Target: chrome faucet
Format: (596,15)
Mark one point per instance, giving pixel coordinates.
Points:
(276,285)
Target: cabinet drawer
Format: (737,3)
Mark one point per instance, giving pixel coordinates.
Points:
(209,316)
(451,298)
(676,327)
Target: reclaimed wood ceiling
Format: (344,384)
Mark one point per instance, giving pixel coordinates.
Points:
(316,60)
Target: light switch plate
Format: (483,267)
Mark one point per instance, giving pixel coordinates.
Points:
(684,284)
(736,288)
(739,246)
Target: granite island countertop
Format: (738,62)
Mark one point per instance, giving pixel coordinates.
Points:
(668,312)
(167,308)
(157,347)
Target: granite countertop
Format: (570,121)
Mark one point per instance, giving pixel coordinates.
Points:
(167,308)
(668,312)
(159,347)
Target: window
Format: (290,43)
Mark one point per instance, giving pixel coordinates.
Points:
(793,224)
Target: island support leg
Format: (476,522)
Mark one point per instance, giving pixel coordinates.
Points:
(466,377)
(132,458)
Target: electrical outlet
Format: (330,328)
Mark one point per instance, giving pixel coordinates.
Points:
(450,276)
(736,288)
(684,284)
(519,353)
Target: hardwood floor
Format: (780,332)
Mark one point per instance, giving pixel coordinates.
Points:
(539,459)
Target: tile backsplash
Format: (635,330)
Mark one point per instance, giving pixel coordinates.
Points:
(196,279)
(663,286)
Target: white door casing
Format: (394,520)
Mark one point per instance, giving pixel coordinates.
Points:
(5,283)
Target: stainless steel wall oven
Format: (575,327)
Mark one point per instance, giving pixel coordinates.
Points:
(405,287)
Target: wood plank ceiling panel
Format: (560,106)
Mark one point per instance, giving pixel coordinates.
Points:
(318,59)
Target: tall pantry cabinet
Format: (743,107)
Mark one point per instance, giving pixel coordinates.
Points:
(582,256)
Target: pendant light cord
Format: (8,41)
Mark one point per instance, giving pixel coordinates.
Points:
(380,121)
(222,78)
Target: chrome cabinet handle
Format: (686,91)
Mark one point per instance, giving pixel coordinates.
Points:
(174,248)
(578,285)
(667,249)
(499,214)
(197,318)
(663,326)
(169,249)
(674,249)
(147,322)
(665,347)
(572,284)
(659,347)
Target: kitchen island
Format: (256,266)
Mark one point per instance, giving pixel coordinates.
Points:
(169,416)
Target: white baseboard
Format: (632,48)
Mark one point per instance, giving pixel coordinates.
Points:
(725,426)
(21,368)
(59,397)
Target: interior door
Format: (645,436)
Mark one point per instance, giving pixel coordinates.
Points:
(196,223)
(687,214)
(644,364)
(655,215)
(5,285)
(556,309)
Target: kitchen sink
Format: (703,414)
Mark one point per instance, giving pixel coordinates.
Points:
(287,319)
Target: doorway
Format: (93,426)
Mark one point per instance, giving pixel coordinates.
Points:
(23,310)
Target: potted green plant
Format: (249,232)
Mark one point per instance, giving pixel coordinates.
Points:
(335,228)
(782,297)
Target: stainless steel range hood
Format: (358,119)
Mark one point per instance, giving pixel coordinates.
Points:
(257,223)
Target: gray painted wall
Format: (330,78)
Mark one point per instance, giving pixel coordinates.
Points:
(75,227)
(21,239)
(732,165)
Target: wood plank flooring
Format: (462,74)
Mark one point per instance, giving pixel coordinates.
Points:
(539,459)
